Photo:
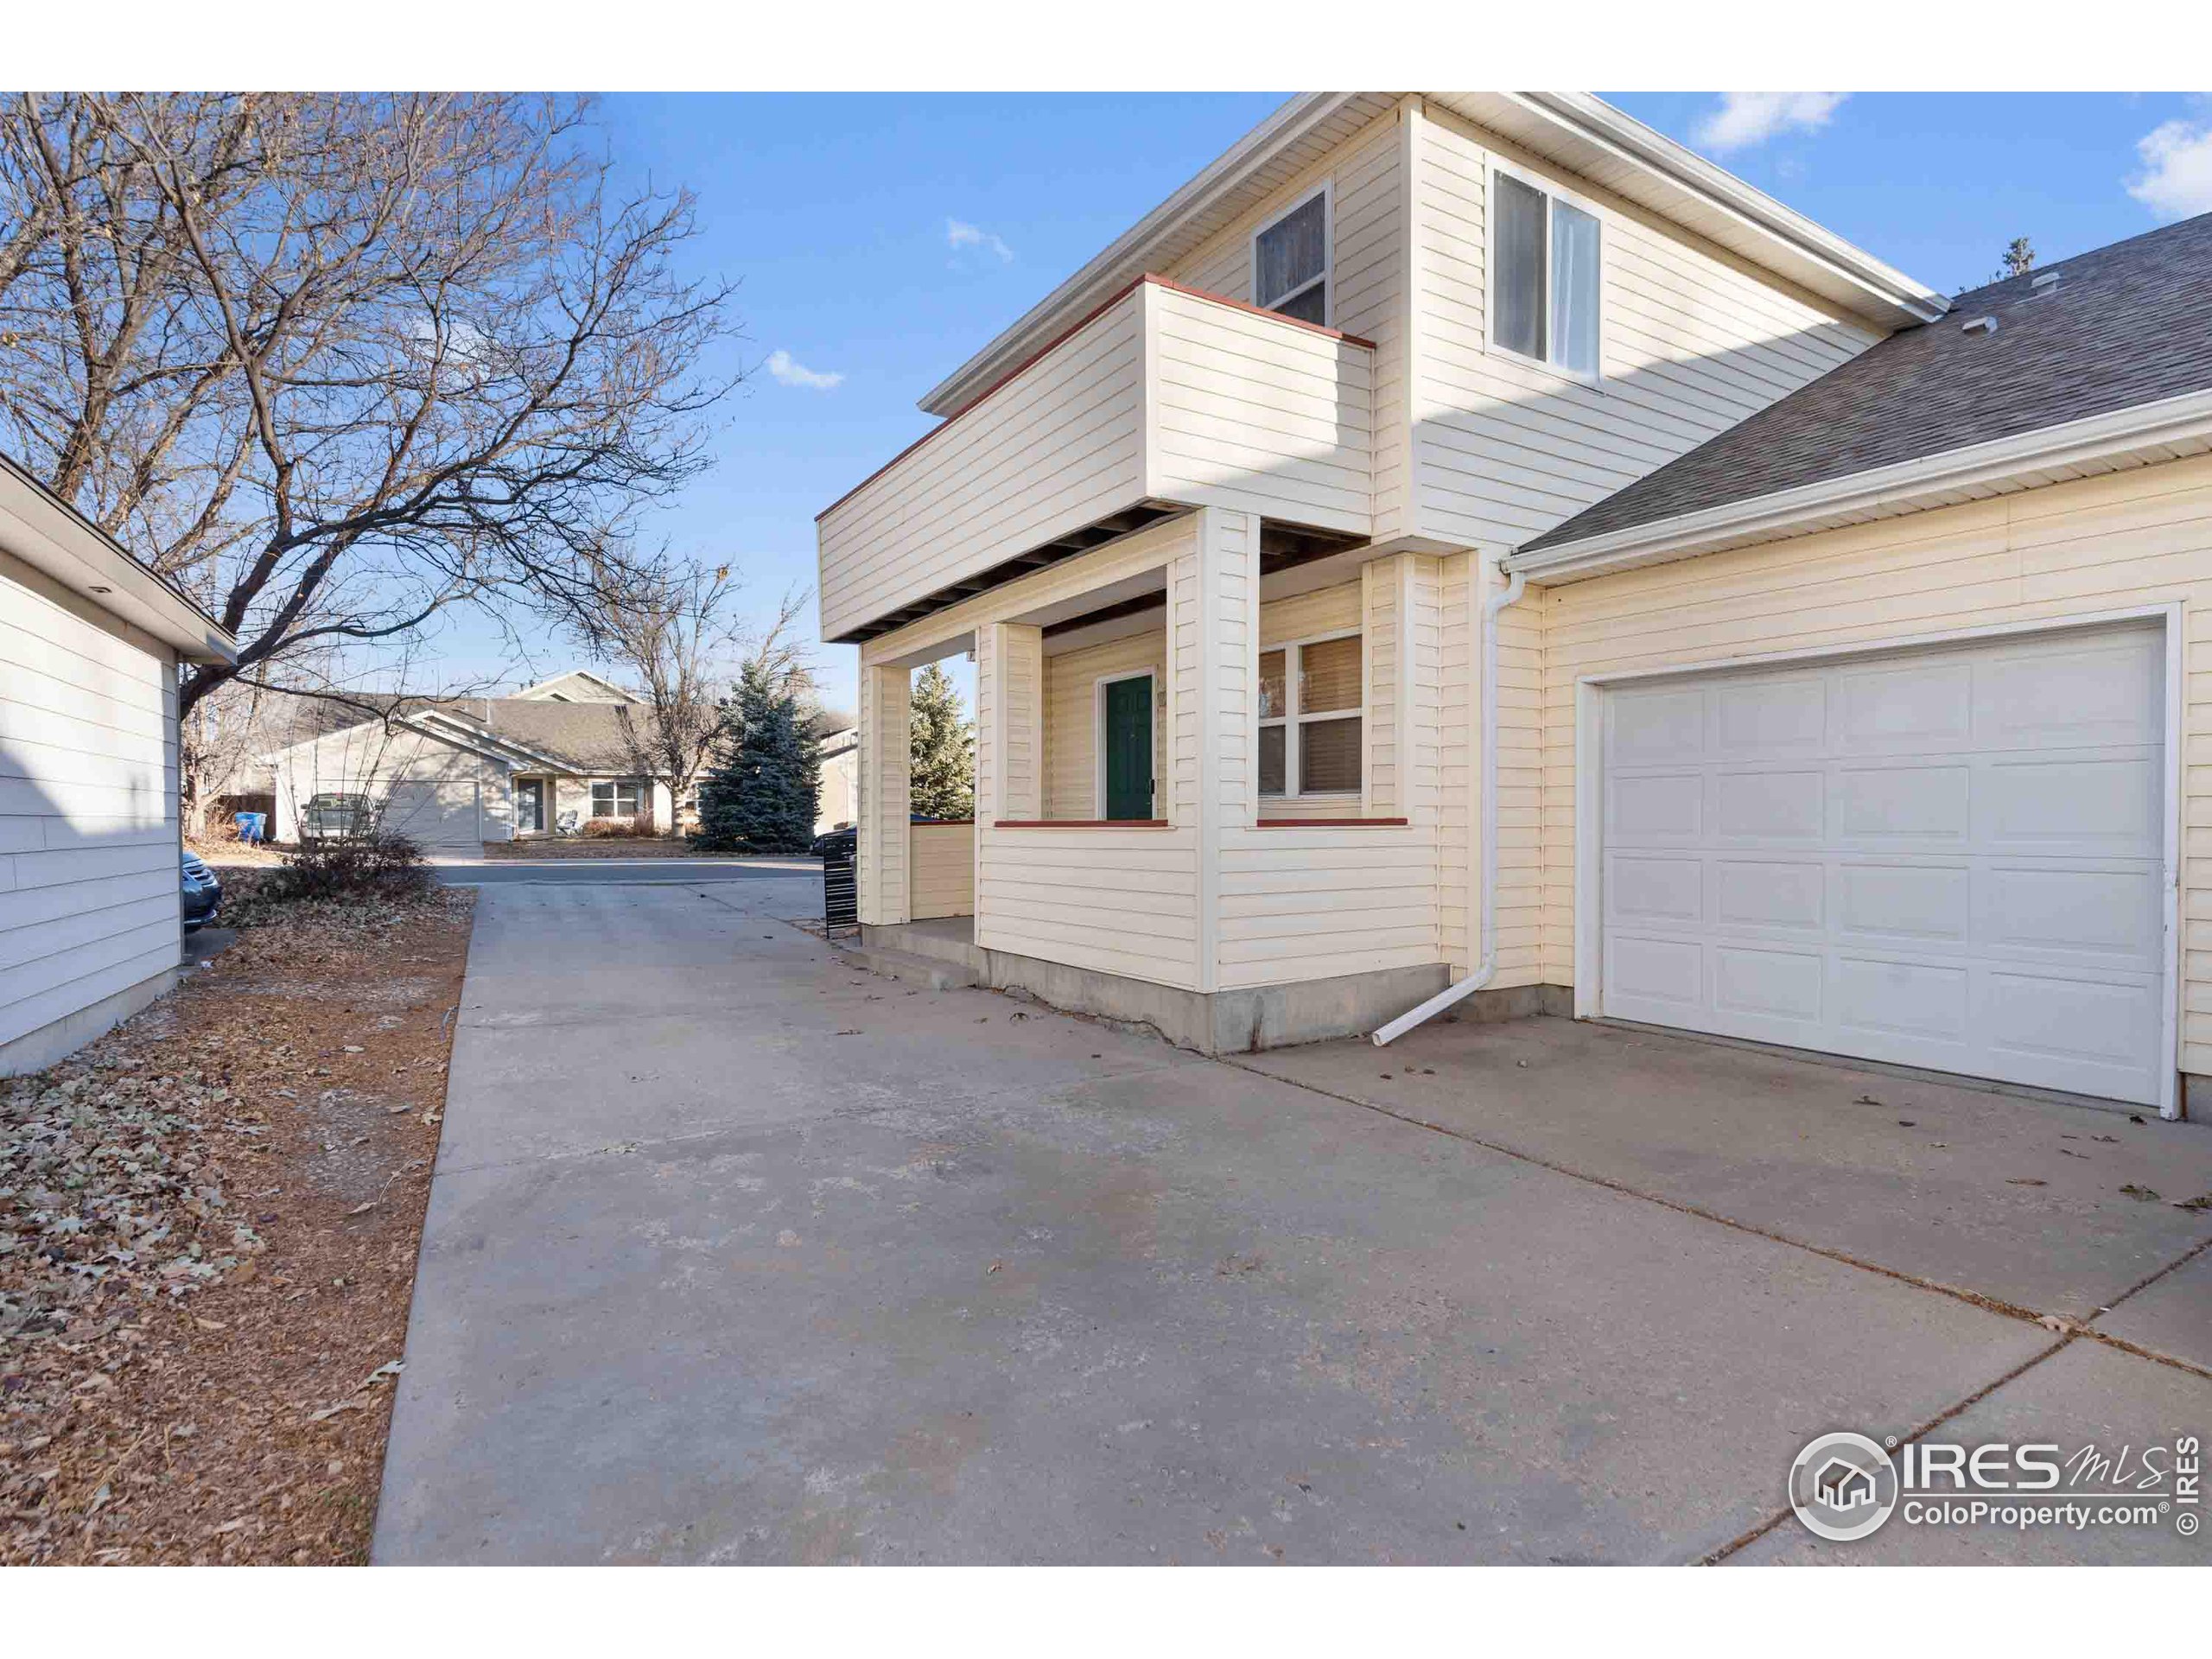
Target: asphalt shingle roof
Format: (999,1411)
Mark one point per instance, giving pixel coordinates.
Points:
(2127,324)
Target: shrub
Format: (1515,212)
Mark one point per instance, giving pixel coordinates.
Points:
(362,867)
(602,829)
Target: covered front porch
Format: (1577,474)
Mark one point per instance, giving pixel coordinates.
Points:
(1222,783)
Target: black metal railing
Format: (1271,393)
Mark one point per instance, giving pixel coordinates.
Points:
(841,889)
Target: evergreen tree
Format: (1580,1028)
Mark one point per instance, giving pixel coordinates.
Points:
(943,751)
(759,794)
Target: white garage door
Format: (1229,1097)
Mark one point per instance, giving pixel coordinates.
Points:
(439,816)
(1951,858)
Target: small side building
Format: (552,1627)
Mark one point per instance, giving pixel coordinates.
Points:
(90,643)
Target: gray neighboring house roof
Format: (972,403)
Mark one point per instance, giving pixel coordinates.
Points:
(2124,325)
(588,737)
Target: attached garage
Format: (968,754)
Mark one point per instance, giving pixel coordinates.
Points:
(1951,857)
(442,816)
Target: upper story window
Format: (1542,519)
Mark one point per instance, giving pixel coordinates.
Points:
(1313,693)
(1290,262)
(1544,256)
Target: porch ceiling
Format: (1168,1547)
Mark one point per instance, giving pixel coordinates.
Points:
(1081,540)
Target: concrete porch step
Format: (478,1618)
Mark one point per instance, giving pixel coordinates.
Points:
(927,972)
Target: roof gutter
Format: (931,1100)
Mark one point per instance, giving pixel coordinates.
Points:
(1622,133)
(2140,435)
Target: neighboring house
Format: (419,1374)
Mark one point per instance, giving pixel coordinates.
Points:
(453,773)
(90,641)
(838,805)
(1468,539)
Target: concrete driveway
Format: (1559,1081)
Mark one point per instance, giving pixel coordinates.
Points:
(735,1253)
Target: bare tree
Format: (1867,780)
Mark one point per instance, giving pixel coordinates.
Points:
(337,363)
(668,628)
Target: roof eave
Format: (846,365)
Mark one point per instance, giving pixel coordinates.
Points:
(2141,435)
(1898,298)
(1285,127)
(51,537)
(1875,289)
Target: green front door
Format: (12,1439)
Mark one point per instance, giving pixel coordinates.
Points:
(1128,748)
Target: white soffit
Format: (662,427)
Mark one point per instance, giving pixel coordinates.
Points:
(44,533)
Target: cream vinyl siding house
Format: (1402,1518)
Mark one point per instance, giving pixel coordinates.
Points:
(1743,645)
(1268,430)
(90,642)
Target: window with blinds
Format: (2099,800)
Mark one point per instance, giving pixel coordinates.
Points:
(1312,696)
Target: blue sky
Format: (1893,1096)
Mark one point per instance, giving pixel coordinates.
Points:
(837,213)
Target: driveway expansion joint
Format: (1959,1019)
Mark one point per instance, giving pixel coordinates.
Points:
(2069,1327)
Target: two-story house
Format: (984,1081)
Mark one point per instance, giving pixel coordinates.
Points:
(1464,548)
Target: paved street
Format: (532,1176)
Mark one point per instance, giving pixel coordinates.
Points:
(601,872)
(737,1254)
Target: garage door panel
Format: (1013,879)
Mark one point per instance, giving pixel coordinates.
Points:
(1668,975)
(1772,984)
(1897,998)
(1655,807)
(1759,719)
(1929,803)
(1953,859)
(2054,908)
(1642,888)
(1905,901)
(2069,803)
(1907,707)
(1770,803)
(2062,698)
(1769,894)
(1646,726)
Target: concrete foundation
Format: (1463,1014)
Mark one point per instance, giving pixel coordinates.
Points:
(1242,1021)
(59,1038)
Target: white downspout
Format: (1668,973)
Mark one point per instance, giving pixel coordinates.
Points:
(1488,967)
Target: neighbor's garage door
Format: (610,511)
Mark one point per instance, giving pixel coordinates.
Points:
(441,816)
(1951,858)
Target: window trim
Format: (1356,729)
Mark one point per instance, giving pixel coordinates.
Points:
(637,787)
(1551,192)
(1292,752)
(1098,740)
(1328,193)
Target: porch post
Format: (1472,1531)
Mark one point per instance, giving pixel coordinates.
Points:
(1213,670)
(884,771)
(1016,663)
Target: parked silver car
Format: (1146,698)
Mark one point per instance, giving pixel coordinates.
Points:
(203,895)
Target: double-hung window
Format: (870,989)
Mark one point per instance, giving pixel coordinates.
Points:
(1311,696)
(616,799)
(1290,262)
(1545,277)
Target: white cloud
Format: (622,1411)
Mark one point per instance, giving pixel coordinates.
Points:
(1747,118)
(789,372)
(958,234)
(2177,179)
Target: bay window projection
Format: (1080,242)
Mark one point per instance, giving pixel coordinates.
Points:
(1312,695)
(1290,263)
(1547,283)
